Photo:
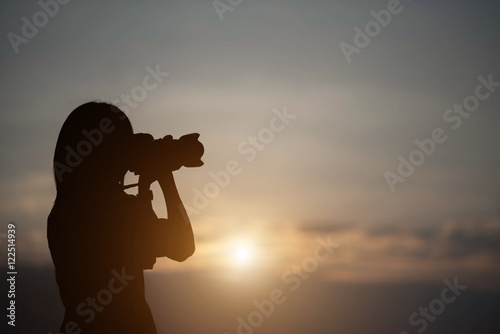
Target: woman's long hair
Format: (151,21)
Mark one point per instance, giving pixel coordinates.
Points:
(91,150)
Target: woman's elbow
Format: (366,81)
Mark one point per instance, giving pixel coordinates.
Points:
(183,254)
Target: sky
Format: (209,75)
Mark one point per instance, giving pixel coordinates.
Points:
(313,119)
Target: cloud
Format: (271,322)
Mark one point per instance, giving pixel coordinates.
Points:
(469,236)
(473,237)
(411,251)
(324,226)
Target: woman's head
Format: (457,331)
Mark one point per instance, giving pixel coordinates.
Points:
(91,150)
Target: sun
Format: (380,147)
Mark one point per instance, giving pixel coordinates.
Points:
(242,254)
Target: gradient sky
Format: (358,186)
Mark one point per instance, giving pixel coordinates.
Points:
(323,175)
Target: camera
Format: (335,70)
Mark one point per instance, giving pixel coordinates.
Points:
(154,156)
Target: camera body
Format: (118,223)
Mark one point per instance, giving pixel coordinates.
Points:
(153,156)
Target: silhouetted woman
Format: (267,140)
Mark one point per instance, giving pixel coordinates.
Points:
(100,238)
